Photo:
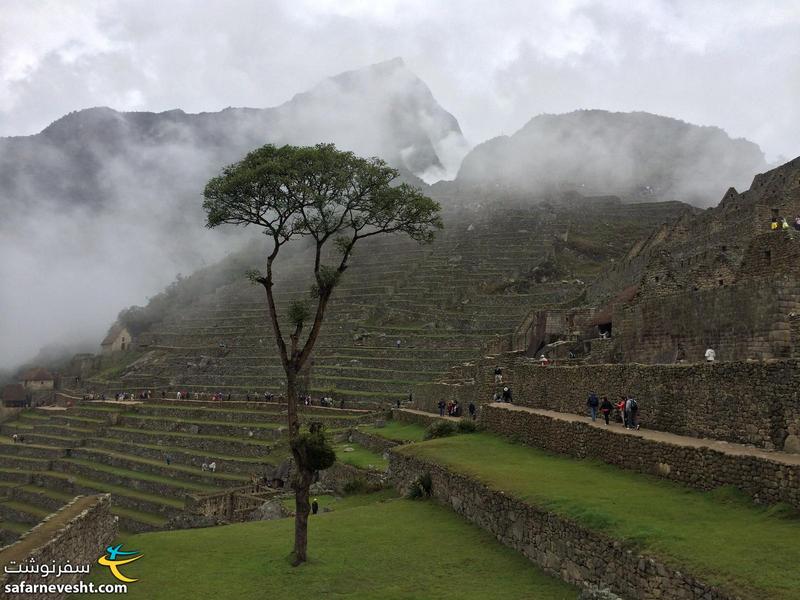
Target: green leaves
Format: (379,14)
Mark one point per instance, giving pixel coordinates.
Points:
(319,192)
(299,312)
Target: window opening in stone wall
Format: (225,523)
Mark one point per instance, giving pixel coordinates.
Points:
(768,256)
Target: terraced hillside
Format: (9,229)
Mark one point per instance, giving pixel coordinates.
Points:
(148,456)
(402,314)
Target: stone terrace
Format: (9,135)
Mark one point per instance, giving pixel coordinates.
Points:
(97,447)
(445,303)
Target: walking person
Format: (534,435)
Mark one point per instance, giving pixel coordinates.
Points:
(441,406)
(472,409)
(593,403)
(605,408)
(633,416)
(314,507)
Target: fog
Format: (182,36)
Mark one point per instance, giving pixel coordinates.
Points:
(104,212)
(104,208)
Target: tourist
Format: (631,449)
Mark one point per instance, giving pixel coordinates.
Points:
(456,409)
(15,437)
(605,408)
(441,408)
(398,403)
(711,355)
(212,466)
(633,413)
(506,396)
(593,403)
(178,396)
(774,224)
(204,466)
(314,507)
(543,361)
(784,224)
(450,409)
(398,344)
(620,406)
(628,406)
(797,223)
(498,375)
(168,459)
(471,409)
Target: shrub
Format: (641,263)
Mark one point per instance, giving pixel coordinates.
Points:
(439,429)
(422,487)
(356,486)
(467,426)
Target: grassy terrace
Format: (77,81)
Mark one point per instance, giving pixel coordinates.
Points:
(354,553)
(360,457)
(178,434)
(716,536)
(397,431)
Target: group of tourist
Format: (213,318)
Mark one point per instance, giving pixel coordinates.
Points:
(209,466)
(504,395)
(781,224)
(627,409)
(451,409)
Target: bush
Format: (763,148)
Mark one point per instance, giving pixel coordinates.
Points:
(467,426)
(439,429)
(422,487)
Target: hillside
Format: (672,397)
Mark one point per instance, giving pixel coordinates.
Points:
(634,155)
(402,314)
(127,187)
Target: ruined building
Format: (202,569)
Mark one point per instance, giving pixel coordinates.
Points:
(723,278)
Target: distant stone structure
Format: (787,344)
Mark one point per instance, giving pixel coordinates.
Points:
(38,379)
(724,279)
(13,395)
(118,338)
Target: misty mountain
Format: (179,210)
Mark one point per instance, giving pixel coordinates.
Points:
(637,156)
(382,110)
(103,208)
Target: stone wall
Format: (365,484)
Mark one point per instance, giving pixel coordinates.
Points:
(754,403)
(373,443)
(743,320)
(340,475)
(766,481)
(78,533)
(556,544)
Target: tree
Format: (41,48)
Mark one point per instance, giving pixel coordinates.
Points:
(332,199)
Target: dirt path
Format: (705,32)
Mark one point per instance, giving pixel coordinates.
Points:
(729,448)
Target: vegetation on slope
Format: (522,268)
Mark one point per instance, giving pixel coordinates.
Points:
(724,540)
(393,550)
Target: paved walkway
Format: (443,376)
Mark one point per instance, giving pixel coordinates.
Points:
(729,448)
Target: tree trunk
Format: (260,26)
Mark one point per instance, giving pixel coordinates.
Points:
(301,482)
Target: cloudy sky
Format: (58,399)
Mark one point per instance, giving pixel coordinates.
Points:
(494,65)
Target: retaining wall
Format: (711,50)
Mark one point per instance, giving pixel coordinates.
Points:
(766,481)
(556,544)
(65,536)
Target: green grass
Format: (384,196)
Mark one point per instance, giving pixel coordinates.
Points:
(360,457)
(188,485)
(397,431)
(118,490)
(715,536)
(393,550)
(326,501)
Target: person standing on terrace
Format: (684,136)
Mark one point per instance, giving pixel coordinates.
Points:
(605,408)
(498,374)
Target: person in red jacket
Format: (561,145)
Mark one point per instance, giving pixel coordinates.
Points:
(620,406)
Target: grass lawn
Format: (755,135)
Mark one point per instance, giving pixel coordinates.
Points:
(348,501)
(716,536)
(393,550)
(360,457)
(398,431)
